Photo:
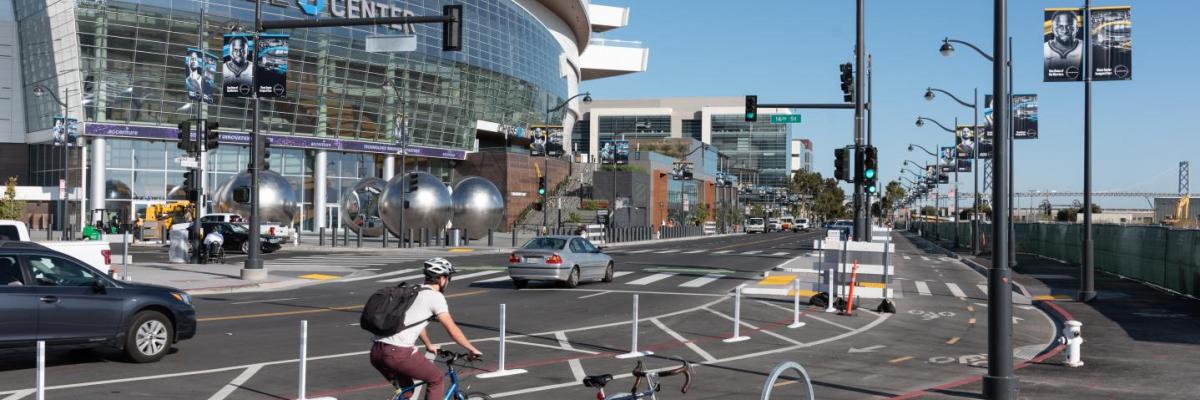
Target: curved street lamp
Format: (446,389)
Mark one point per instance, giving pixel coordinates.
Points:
(40,90)
(921,123)
(911,146)
(929,97)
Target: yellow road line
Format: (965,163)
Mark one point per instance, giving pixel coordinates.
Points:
(785,383)
(952,340)
(1047,297)
(900,359)
(461,250)
(876,285)
(312,311)
(777,280)
(803,293)
(319,277)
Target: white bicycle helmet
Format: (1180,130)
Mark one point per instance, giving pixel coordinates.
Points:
(437,267)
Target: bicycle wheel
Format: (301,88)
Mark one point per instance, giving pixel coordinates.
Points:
(477,396)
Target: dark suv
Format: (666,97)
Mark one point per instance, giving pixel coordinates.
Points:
(50,296)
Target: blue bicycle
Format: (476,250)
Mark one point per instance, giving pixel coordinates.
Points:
(453,389)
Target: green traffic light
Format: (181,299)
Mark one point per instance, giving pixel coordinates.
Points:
(750,115)
(871,189)
(869,173)
(541,191)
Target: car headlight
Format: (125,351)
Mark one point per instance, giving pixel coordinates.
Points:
(182,297)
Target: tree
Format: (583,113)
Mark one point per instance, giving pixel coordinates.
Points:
(1066,215)
(757,211)
(929,210)
(829,201)
(10,207)
(892,192)
(699,214)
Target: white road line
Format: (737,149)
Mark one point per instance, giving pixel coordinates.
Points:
(594,294)
(621,273)
(20,394)
(701,281)
(723,252)
(576,366)
(475,274)
(264,301)
(651,279)
(907,258)
(954,289)
(769,333)
(667,251)
(694,251)
(640,251)
(236,383)
(376,276)
(923,288)
(829,322)
(403,278)
(923,258)
(588,352)
(983,288)
(752,252)
(704,354)
(498,279)
(782,253)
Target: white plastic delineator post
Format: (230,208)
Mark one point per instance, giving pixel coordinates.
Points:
(501,370)
(1073,336)
(304,364)
(41,370)
(796,305)
(125,257)
(831,287)
(737,319)
(633,347)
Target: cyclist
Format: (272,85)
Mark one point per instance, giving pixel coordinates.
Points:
(397,357)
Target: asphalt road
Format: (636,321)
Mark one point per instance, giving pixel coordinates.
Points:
(247,344)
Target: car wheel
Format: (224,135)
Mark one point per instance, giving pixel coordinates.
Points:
(572,278)
(608,273)
(520,283)
(149,337)
(245,247)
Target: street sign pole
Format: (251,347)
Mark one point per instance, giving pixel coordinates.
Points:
(860,221)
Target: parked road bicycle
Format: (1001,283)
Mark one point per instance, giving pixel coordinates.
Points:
(454,390)
(652,382)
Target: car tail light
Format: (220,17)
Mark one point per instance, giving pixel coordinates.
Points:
(271,231)
(513,259)
(554,259)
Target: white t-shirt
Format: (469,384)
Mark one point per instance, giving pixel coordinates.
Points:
(427,304)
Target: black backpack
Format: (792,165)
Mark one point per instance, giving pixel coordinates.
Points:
(383,315)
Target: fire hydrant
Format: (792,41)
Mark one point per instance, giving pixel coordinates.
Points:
(1073,338)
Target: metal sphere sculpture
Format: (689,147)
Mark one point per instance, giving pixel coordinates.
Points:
(276,203)
(429,204)
(360,207)
(478,206)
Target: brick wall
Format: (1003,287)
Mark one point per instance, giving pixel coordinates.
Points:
(514,173)
(658,197)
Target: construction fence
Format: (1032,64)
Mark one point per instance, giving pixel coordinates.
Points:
(1160,255)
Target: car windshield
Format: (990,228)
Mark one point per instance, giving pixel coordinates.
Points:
(238,228)
(756,221)
(545,244)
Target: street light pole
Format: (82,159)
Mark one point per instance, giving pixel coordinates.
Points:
(587,98)
(253,267)
(860,216)
(1087,290)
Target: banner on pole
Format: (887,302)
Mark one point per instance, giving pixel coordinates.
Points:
(237,75)
(1111,49)
(614,152)
(1112,43)
(270,70)
(201,68)
(1062,45)
(966,140)
(1024,114)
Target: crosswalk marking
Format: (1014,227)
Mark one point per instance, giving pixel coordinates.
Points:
(782,253)
(751,252)
(955,290)
(651,279)
(695,251)
(984,288)
(377,276)
(907,258)
(701,281)
(620,274)
(922,288)
(923,258)
(667,251)
(723,252)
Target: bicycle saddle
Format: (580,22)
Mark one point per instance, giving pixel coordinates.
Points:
(597,380)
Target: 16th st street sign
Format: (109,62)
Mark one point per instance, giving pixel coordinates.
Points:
(785,119)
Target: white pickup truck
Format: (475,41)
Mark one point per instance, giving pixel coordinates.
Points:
(94,253)
(267,229)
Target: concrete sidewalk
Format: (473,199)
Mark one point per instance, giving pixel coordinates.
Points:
(1139,341)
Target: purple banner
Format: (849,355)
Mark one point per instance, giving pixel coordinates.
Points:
(302,142)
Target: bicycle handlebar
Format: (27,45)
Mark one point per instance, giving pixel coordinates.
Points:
(451,356)
(685,369)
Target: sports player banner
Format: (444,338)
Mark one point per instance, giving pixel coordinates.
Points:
(614,152)
(1112,43)
(966,138)
(946,156)
(201,67)
(1111,52)
(271,66)
(1024,113)
(237,57)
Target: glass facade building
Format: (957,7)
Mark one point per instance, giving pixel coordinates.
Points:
(120,67)
(758,150)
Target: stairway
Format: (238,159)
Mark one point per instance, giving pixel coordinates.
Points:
(570,193)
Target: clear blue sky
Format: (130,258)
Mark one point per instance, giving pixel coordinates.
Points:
(788,51)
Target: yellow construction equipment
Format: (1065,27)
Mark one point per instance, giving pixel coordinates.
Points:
(166,214)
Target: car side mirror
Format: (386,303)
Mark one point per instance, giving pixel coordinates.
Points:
(100,286)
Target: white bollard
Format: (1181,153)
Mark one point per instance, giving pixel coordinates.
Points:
(633,347)
(829,304)
(41,370)
(303,357)
(737,319)
(501,370)
(1073,336)
(125,258)
(796,305)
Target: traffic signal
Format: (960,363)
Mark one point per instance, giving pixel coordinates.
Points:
(537,205)
(841,164)
(241,195)
(185,136)
(542,186)
(189,180)
(452,30)
(266,160)
(870,169)
(412,187)
(751,108)
(211,135)
(847,82)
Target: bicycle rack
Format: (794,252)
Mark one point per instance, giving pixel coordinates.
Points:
(779,370)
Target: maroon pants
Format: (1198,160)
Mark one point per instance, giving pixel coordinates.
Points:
(402,365)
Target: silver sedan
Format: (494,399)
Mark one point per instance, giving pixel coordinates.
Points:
(565,259)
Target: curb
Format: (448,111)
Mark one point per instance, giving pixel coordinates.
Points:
(254,287)
(641,242)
